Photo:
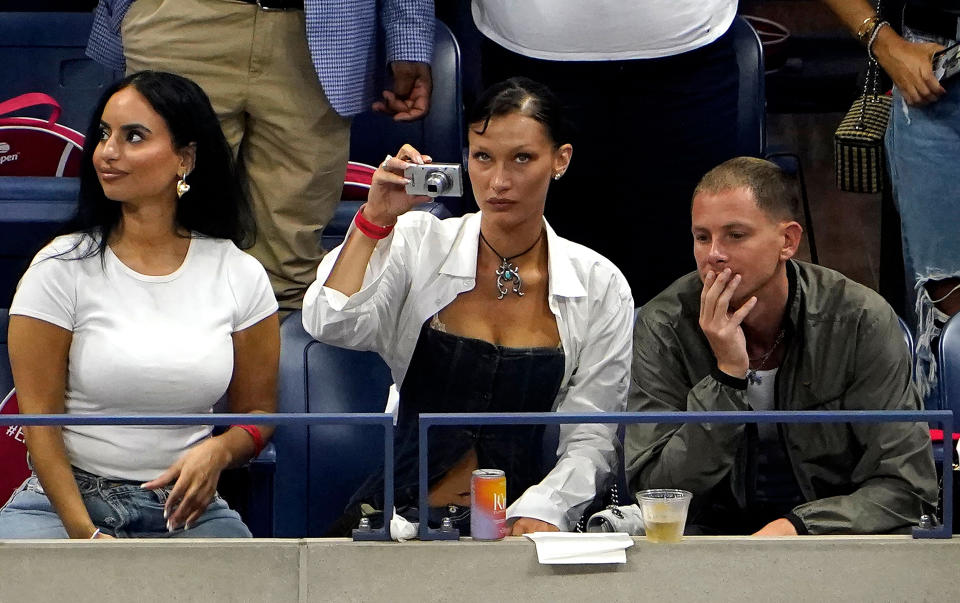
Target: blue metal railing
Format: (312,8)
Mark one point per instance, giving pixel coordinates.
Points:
(943,417)
(299,419)
(428,420)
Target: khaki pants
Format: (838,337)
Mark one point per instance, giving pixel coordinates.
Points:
(292,145)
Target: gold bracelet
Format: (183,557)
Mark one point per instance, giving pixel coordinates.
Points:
(866,28)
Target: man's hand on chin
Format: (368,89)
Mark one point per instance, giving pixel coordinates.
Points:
(777,527)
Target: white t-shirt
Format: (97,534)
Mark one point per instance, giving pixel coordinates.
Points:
(760,396)
(603,30)
(143,344)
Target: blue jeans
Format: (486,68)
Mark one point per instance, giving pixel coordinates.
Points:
(923,150)
(118,508)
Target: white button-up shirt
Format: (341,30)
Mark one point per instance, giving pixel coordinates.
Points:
(423,265)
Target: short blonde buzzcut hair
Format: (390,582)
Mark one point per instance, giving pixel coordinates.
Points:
(774,191)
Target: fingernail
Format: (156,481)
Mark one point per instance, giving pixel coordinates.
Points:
(420,160)
(144,485)
(736,278)
(186,527)
(407,180)
(169,526)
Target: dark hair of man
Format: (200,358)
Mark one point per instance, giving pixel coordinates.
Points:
(216,204)
(774,191)
(526,97)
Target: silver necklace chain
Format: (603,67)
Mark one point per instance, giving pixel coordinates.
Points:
(752,376)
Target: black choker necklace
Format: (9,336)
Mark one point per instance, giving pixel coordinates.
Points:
(508,271)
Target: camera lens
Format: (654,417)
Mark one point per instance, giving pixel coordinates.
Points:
(437,182)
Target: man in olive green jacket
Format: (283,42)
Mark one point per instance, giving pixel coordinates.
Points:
(754,329)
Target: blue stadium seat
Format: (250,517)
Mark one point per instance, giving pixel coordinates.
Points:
(45,52)
(948,368)
(907,336)
(752,116)
(440,134)
(752,102)
(319,467)
(31,211)
(948,376)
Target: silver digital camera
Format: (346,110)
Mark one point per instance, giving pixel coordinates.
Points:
(434,179)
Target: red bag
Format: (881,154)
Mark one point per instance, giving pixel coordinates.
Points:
(37,147)
(13,451)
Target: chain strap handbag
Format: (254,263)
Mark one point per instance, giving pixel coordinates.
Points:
(858,142)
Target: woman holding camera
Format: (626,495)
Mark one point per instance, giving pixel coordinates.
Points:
(148,306)
(491,312)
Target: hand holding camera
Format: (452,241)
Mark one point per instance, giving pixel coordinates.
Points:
(388,198)
(407,180)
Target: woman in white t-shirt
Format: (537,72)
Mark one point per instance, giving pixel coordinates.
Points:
(148,307)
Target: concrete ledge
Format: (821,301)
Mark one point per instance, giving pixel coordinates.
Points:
(877,568)
(149,570)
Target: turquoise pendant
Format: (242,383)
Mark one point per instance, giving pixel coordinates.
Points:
(508,272)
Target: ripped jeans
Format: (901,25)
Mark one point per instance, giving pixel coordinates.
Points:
(118,508)
(923,150)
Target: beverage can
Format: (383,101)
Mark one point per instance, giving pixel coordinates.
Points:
(488,504)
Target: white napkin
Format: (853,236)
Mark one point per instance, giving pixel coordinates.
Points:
(402,530)
(570,548)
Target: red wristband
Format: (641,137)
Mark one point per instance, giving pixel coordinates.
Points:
(254,432)
(368,228)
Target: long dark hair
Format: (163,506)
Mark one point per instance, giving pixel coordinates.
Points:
(527,97)
(216,205)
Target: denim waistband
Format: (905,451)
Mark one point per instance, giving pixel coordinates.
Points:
(105,482)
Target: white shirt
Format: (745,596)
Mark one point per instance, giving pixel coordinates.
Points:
(143,344)
(424,264)
(760,396)
(603,30)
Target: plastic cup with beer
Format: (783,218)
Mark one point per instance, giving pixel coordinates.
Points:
(664,513)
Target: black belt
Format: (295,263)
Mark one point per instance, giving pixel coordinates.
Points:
(939,22)
(276,4)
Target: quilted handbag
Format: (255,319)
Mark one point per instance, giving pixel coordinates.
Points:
(858,142)
(30,146)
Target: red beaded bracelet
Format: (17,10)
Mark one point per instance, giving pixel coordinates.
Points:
(368,228)
(254,432)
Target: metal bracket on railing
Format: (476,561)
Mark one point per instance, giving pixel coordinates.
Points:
(296,419)
(945,529)
(384,532)
(942,417)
